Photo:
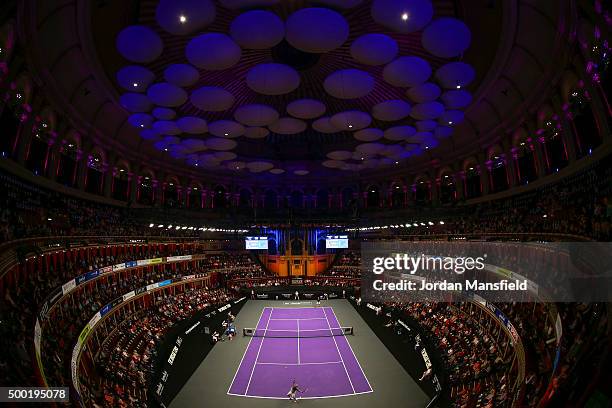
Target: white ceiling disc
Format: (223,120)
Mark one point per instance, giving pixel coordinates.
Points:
(288,126)
(166,127)
(256,132)
(192,125)
(402,16)
(374,49)
(212,99)
(213,51)
(340,155)
(391,110)
(272,79)
(324,125)
(257,29)
(369,148)
(351,120)
(398,133)
(349,83)
(368,135)
(256,115)
(306,108)
(277,171)
(407,72)
(333,164)
(316,30)
(259,166)
(219,143)
(226,128)
(426,92)
(427,110)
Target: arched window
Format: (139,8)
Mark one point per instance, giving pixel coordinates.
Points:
(397,196)
(448,191)
(499,175)
(67,164)
(422,193)
(219,199)
(145,190)
(9,125)
(473,186)
(555,146)
(584,122)
(373,197)
(121,184)
(322,198)
(270,199)
(244,200)
(296,199)
(38,148)
(171,196)
(195,197)
(525,161)
(347,197)
(95,174)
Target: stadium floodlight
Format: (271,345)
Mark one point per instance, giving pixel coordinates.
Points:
(160,226)
(430,223)
(423,224)
(178,228)
(415,224)
(169,226)
(151,225)
(441,222)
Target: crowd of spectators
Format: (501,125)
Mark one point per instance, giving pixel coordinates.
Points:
(127,357)
(346,265)
(472,357)
(580,204)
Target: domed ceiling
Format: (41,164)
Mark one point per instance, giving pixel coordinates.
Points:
(327,88)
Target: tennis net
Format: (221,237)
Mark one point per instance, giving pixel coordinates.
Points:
(283,333)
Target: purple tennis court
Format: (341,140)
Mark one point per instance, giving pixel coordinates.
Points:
(301,344)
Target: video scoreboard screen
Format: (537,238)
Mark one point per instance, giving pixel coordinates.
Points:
(256,242)
(336,241)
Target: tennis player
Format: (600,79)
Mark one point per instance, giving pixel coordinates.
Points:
(292,394)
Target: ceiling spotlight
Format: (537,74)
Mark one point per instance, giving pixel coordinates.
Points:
(165,149)
(226,134)
(458,86)
(141,125)
(362,158)
(350,126)
(182,19)
(450,122)
(405,16)
(135,84)
(196,164)
(397,163)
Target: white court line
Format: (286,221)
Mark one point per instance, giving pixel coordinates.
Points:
(244,354)
(291,331)
(298,341)
(257,356)
(340,354)
(306,318)
(285,398)
(355,356)
(303,364)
